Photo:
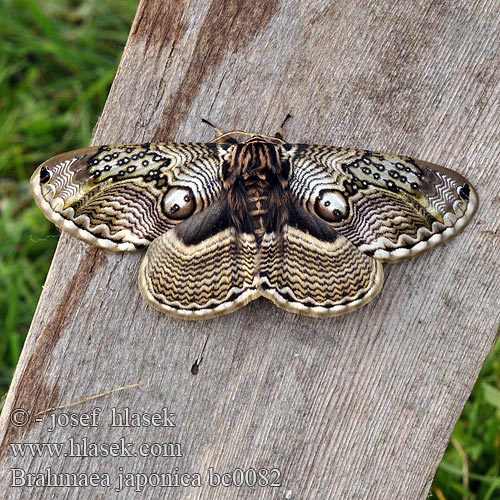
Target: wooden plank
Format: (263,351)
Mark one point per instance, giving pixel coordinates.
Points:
(360,406)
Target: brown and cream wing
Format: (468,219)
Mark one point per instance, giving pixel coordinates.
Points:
(390,207)
(310,268)
(201,268)
(124,196)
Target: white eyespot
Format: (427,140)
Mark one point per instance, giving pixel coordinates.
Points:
(179,203)
(331,205)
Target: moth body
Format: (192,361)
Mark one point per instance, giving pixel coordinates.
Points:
(256,180)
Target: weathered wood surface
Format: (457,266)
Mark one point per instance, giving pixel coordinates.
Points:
(360,406)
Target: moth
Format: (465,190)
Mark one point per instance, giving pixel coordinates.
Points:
(250,215)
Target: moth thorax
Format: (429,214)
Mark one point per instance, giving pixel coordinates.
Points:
(263,184)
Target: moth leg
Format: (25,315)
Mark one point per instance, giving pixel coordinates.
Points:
(279,134)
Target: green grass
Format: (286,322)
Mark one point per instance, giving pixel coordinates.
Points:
(471,465)
(57,62)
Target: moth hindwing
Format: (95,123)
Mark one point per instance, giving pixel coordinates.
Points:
(306,226)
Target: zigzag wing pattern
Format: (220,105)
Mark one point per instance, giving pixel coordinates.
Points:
(391,207)
(121,197)
(201,268)
(312,269)
(305,226)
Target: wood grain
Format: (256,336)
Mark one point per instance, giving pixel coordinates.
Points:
(360,406)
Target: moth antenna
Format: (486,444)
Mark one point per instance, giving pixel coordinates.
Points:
(218,131)
(279,133)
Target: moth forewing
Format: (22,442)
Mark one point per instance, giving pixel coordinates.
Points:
(391,207)
(62,184)
(122,197)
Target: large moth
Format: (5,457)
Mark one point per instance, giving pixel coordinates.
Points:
(250,215)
